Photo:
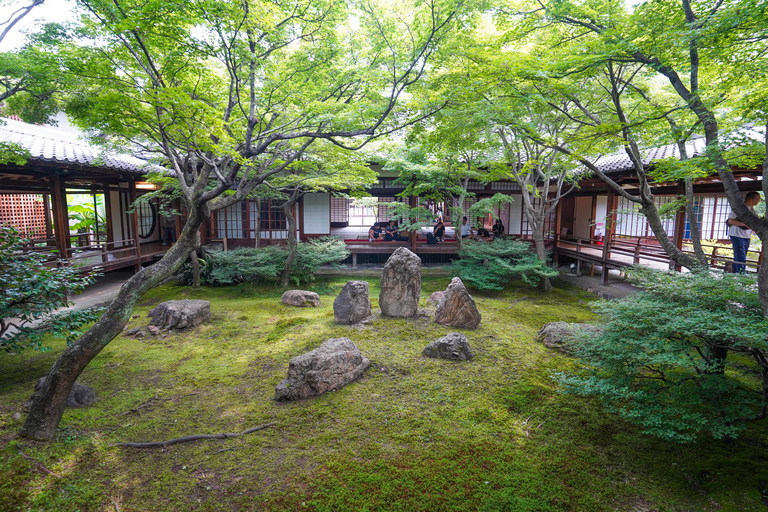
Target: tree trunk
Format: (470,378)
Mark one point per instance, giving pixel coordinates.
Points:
(762,279)
(285,275)
(49,403)
(701,258)
(648,208)
(457,222)
(257,228)
(195,269)
(536,221)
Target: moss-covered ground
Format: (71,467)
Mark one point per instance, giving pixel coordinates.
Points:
(413,434)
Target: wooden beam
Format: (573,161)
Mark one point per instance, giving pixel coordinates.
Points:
(60,215)
(135,222)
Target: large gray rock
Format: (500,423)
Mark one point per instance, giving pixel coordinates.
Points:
(457,307)
(352,305)
(332,365)
(453,345)
(180,314)
(80,396)
(301,299)
(560,335)
(401,284)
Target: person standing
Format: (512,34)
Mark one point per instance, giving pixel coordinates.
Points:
(740,234)
(169,228)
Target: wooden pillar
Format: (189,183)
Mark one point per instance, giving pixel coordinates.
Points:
(60,215)
(300,219)
(593,220)
(108,215)
(135,223)
(413,202)
(679,225)
(558,220)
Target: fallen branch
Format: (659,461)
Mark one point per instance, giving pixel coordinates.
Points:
(37,464)
(163,444)
(518,300)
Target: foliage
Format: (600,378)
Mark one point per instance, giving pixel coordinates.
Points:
(12,153)
(250,265)
(30,292)
(687,356)
(491,265)
(489,205)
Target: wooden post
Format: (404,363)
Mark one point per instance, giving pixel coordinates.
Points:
(48,219)
(592,221)
(135,223)
(413,202)
(108,214)
(60,215)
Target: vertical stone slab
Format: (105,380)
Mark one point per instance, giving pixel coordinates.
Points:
(401,284)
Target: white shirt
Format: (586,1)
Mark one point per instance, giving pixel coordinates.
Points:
(739,231)
(465,228)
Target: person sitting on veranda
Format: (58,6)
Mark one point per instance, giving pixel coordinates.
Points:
(391,232)
(483,234)
(439,231)
(375,232)
(498,229)
(466,229)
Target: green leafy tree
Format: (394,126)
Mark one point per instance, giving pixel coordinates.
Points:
(31,292)
(230,96)
(686,356)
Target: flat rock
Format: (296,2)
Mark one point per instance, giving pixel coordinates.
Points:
(180,314)
(453,346)
(435,297)
(560,335)
(400,284)
(457,307)
(332,365)
(301,299)
(153,330)
(80,396)
(352,304)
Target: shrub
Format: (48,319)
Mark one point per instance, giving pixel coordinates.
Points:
(689,355)
(30,292)
(491,265)
(250,265)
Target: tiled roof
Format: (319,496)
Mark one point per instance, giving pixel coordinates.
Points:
(620,162)
(49,144)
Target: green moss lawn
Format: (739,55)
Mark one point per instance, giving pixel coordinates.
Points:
(414,434)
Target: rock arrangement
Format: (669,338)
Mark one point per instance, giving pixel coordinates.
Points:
(435,297)
(457,307)
(453,346)
(80,396)
(180,314)
(352,305)
(401,284)
(334,364)
(301,299)
(560,335)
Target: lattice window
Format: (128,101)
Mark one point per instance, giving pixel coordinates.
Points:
(385,212)
(549,221)
(272,220)
(229,221)
(630,222)
(339,209)
(26,212)
(475,185)
(504,185)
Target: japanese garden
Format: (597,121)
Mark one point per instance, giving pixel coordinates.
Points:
(383,255)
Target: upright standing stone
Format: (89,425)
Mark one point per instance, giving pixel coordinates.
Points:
(401,284)
(457,307)
(352,305)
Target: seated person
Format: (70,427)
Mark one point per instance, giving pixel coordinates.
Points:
(392,232)
(498,228)
(375,233)
(483,234)
(466,229)
(439,231)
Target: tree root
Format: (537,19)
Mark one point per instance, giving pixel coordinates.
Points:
(163,444)
(37,464)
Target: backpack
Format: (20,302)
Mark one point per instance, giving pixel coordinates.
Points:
(431,239)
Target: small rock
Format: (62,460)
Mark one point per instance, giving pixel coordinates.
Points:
(301,299)
(80,396)
(153,330)
(180,314)
(136,316)
(457,307)
(140,334)
(400,284)
(560,335)
(435,297)
(352,304)
(332,365)
(453,346)
(16,416)
(132,332)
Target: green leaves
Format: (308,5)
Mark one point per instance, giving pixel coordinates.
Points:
(682,358)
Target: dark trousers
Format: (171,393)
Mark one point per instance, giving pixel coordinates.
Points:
(740,248)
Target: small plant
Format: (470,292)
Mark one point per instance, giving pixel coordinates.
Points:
(689,355)
(30,292)
(491,265)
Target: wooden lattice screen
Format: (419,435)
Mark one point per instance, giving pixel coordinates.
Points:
(25,212)
(339,209)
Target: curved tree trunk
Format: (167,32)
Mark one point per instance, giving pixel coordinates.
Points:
(195,269)
(49,403)
(762,279)
(648,208)
(698,251)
